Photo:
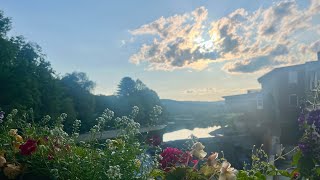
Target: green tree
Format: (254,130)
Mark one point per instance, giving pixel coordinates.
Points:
(77,87)
(126,87)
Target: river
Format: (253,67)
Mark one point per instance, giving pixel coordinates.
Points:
(186,133)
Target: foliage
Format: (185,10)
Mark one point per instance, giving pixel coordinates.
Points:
(191,164)
(307,159)
(45,150)
(262,166)
(136,93)
(28,81)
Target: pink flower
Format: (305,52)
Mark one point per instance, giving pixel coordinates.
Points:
(185,158)
(28,147)
(170,156)
(50,157)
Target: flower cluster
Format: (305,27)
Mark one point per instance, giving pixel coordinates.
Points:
(12,170)
(175,161)
(307,158)
(170,157)
(28,147)
(310,142)
(46,150)
(114,172)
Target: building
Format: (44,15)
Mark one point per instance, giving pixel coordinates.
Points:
(243,103)
(285,89)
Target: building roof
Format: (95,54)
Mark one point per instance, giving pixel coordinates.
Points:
(286,68)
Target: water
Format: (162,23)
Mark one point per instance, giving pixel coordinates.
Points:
(186,133)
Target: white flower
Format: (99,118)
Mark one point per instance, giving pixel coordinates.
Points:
(227,172)
(114,172)
(13,132)
(197,150)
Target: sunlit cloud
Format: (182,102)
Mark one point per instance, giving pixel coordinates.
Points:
(215,91)
(248,42)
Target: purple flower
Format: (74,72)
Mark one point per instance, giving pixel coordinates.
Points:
(314,117)
(301,118)
(304,148)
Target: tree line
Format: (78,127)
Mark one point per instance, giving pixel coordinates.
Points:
(27,81)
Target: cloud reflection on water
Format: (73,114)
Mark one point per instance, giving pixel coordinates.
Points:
(186,133)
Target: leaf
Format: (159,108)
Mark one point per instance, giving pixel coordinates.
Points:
(260,176)
(178,173)
(318,171)
(157,173)
(194,175)
(284,173)
(296,158)
(208,170)
(306,164)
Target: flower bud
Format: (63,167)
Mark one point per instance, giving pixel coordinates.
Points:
(19,138)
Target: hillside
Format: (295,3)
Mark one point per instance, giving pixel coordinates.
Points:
(192,107)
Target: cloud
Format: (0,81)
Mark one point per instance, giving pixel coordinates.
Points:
(247,41)
(200,91)
(214,92)
(315,47)
(175,42)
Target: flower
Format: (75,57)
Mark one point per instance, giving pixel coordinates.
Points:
(114,172)
(12,171)
(185,158)
(170,156)
(28,147)
(212,159)
(195,163)
(19,138)
(3,161)
(226,172)
(314,118)
(137,163)
(13,132)
(296,175)
(197,150)
(50,157)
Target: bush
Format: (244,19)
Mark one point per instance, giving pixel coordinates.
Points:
(45,150)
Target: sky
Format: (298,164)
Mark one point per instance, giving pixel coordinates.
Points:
(195,50)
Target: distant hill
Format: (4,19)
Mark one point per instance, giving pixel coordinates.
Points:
(193,108)
(191,114)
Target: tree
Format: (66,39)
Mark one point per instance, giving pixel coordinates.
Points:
(27,81)
(77,87)
(78,80)
(5,24)
(136,93)
(126,87)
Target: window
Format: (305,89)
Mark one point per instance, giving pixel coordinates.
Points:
(259,102)
(293,77)
(293,100)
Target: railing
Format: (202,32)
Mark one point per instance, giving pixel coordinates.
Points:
(113,133)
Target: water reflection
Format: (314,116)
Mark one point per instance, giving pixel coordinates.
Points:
(186,133)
